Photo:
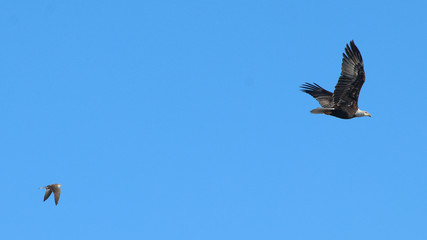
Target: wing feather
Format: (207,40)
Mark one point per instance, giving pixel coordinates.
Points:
(47,194)
(57,193)
(323,96)
(350,82)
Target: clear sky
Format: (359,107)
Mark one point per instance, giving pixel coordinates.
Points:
(184,120)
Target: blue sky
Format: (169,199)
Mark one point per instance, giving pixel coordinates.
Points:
(184,120)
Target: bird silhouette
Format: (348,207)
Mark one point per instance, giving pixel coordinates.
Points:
(55,188)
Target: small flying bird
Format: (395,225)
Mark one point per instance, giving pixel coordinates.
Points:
(343,102)
(55,188)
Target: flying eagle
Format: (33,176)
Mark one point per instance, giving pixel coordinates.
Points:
(343,102)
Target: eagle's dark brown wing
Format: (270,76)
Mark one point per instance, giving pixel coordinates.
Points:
(352,77)
(323,96)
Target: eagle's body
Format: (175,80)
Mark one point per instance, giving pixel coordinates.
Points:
(342,103)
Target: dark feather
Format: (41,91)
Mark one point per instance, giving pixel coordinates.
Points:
(47,194)
(350,82)
(323,96)
(57,193)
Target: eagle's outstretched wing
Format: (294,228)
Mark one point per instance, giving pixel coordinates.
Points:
(352,77)
(323,96)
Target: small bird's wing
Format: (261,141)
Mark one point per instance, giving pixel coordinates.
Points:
(352,77)
(47,194)
(56,193)
(323,96)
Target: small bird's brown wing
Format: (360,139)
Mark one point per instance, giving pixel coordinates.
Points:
(352,77)
(56,193)
(47,194)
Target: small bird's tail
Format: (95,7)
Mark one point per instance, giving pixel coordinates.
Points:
(322,110)
(42,187)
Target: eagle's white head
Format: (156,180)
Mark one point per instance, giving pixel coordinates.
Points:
(361,113)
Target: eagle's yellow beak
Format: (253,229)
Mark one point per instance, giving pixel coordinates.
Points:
(369,115)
